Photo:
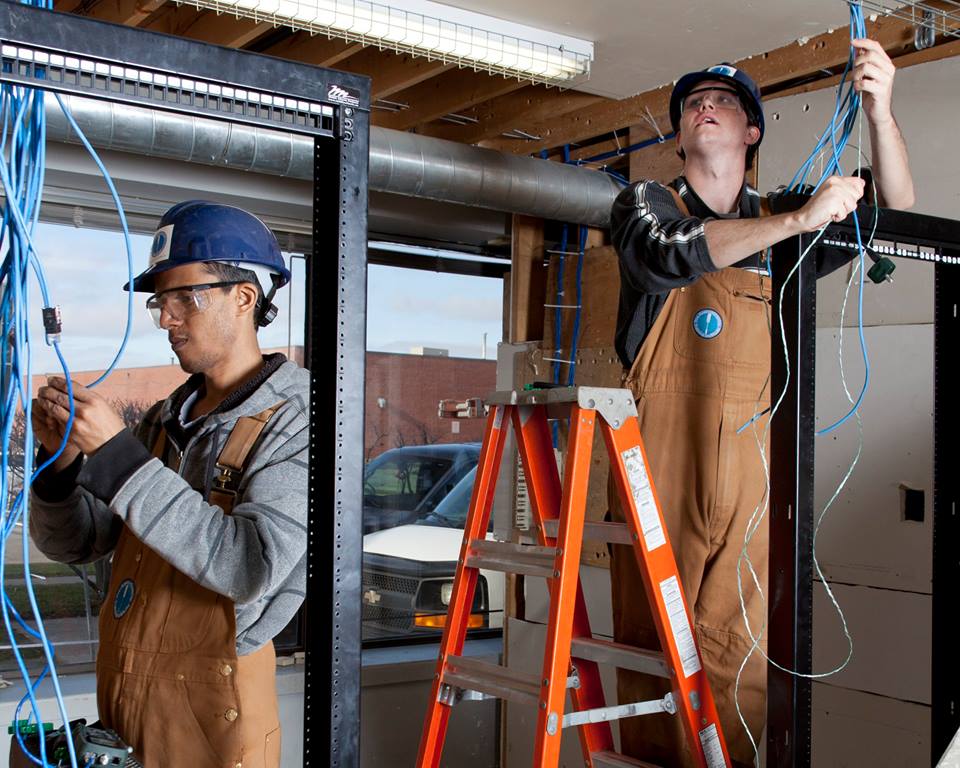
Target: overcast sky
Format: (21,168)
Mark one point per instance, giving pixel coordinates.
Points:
(86,270)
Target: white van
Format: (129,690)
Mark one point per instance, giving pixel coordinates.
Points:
(408,573)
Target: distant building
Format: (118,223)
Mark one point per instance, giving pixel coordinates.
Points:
(402,394)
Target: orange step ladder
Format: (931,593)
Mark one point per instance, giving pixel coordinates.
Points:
(572,654)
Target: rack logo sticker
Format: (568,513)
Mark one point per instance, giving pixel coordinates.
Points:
(160,250)
(124,598)
(707,323)
(342,96)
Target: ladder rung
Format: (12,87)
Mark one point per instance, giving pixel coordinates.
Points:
(613,760)
(619,655)
(615,533)
(617,712)
(492,679)
(512,558)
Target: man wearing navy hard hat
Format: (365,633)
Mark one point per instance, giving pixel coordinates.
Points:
(202,508)
(693,334)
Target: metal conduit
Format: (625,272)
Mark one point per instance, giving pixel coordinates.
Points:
(400,163)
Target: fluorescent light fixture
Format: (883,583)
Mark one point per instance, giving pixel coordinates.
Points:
(429,29)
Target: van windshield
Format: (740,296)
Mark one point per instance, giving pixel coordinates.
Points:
(452,511)
(401,482)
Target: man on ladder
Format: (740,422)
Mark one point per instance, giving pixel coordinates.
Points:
(693,335)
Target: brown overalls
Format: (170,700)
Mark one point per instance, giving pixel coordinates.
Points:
(169,680)
(697,378)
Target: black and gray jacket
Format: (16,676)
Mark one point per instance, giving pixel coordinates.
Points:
(256,556)
(660,249)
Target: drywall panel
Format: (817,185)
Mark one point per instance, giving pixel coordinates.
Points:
(891,634)
(596,592)
(865,538)
(852,729)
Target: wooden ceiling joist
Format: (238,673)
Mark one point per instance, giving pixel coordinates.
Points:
(225,29)
(391,72)
(449,93)
(313,49)
(529,105)
(772,71)
(129,12)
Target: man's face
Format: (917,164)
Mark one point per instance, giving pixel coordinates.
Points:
(202,325)
(714,120)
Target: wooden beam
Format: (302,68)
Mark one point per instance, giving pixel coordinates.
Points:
(527,106)
(129,12)
(451,92)
(659,162)
(391,72)
(225,29)
(528,280)
(772,70)
(66,6)
(313,49)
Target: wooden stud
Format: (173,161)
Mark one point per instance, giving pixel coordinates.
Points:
(528,280)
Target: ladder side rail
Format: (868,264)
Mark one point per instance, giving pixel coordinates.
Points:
(691,689)
(464,582)
(544,493)
(566,582)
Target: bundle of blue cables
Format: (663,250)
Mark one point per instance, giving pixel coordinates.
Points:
(832,143)
(22,163)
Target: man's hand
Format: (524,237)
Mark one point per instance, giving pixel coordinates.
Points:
(834,201)
(49,432)
(94,420)
(873,78)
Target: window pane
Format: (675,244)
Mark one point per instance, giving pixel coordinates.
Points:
(426,335)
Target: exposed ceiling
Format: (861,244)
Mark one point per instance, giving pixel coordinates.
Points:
(641,45)
(640,48)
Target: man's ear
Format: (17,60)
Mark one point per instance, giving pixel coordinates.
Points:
(753,135)
(247,295)
(679,146)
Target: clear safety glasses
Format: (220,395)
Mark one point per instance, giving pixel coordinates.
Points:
(721,98)
(183,301)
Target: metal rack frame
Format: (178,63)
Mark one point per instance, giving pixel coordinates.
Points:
(71,54)
(790,610)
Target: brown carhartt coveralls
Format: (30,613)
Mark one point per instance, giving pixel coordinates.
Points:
(694,390)
(169,679)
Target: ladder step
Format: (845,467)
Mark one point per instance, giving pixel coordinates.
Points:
(492,679)
(512,558)
(619,655)
(614,533)
(614,760)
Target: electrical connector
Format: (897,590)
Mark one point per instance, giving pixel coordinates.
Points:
(52,324)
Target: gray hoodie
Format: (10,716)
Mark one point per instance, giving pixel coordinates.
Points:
(256,556)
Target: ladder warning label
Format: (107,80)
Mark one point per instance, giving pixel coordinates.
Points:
(643,497)
(712,750)
(498,417)
(680,626)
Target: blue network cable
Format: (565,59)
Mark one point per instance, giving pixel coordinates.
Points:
(22,163)
(834,142)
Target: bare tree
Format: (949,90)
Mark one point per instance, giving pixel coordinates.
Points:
(131,411)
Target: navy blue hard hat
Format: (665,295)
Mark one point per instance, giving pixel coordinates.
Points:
(198,231)
(741,82)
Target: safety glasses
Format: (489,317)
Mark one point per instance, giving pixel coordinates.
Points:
(721,98)
(181,302)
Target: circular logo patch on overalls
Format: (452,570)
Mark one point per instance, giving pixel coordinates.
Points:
(707,323)
(124,598)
